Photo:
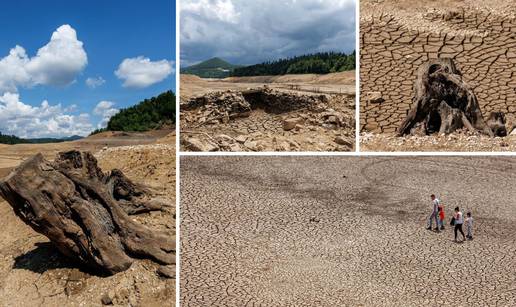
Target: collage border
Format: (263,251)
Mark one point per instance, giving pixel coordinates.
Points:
(355,153)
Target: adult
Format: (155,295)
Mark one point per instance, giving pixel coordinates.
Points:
(434,215)
(458,221)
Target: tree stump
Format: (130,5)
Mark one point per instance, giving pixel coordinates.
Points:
(85,213)
(443,102)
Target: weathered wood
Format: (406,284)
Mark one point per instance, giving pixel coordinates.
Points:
(84,212)
(496,123)
(443,102)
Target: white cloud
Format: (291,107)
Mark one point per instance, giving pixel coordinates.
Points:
(95,82)
(106,110)
(46,120)
(223,10)
(141,72)
(249,32)
(57,63)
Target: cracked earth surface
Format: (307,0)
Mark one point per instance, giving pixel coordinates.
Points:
(345,231)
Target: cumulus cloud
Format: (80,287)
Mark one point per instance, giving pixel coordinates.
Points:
(248,32)
(24,120)
(57,63)
(141,72)
(106,110)
(95,82)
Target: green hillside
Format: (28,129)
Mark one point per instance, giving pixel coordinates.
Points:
(148,114)
(318,63)
(212,68)
(11,139)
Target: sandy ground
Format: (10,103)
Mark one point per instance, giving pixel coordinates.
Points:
(34,273)
(343,82)
(345,231)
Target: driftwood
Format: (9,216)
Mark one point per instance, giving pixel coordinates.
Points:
(443,102)
(85,213)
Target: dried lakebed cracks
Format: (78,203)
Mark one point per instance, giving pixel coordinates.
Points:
(327,231)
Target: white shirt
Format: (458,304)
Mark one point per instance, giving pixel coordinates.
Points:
(469,220)
(436,202)
(458,218)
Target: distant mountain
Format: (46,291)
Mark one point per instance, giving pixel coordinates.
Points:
(55,140)
(212,68)
(11,139)
(148,114)
(318,63)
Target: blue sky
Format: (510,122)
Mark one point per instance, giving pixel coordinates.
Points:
(136,39)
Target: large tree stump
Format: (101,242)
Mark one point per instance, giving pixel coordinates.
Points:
(443,102)
(84,212)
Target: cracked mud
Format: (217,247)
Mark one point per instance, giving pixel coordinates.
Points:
(314,231)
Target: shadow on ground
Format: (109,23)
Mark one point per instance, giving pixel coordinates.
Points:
(45,257)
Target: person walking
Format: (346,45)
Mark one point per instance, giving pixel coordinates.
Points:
(441,216)
(434,215)
(469,226)
(458,221)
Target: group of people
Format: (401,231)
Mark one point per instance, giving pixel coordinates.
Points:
(456,221)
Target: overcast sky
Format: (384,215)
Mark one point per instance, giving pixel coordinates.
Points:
(250,32)
(68,67)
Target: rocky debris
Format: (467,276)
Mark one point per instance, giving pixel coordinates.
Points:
(222,107)
(278,121)
(443,102)
(84,212)
(461,140)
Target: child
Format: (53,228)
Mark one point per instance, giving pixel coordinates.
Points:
(441,215)
(469,226)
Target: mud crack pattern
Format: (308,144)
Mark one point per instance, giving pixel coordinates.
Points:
(343,231)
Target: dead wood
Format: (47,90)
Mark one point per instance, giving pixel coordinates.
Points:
(443,102)
(84,212)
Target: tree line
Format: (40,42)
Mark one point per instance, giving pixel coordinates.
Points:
(146,115)
(318,63)
(12,139)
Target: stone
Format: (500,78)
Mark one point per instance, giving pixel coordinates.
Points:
(251,145)
(343,141)
(106,299)
(241,138)
(290,123)
(194,144)
(167,271)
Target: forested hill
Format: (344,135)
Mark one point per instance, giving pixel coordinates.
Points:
(212,68)
(148,114)
(12,139)
(319,63)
